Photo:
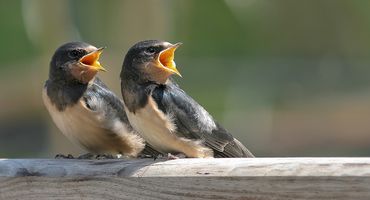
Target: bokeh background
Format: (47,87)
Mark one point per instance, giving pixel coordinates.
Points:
(288,78)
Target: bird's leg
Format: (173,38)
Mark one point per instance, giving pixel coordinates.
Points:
(61,156)
(92,156)
(153,156)
(175,156)
(86,156)
(145,156)
(105,156)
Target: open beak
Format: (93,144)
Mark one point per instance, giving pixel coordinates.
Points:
(91,60)
(166,57)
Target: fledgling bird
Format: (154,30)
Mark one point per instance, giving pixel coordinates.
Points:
(163,114)
(82,106)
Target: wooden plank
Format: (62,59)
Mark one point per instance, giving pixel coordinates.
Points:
(230,178)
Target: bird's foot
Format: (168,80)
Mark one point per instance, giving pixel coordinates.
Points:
(175,156)
(105,156)
(146,156)
(62,156)
(92,156)
(86,156)
(159,156)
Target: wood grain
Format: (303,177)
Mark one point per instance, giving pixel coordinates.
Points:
(229,178)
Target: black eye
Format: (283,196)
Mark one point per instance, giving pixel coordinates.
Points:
(75,53)
(150,50)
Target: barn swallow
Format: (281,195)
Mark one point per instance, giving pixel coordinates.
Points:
(82,106)
(163,114)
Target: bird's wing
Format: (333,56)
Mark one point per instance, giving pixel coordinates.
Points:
(194,122)
(100,99)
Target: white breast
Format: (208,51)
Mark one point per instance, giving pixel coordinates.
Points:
(159,131)
(154,126)
(86,128)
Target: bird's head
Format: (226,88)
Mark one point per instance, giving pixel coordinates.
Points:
(75,62)
(151,60)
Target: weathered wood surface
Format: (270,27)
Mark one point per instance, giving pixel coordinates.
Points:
(254,178)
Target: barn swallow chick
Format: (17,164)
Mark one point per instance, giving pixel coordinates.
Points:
(82,106)
(163,114)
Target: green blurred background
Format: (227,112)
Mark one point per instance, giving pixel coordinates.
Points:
(287,77)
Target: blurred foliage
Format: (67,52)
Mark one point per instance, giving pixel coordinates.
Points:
(14,41)
(289,78)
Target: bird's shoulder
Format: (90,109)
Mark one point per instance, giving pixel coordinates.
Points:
(99,98)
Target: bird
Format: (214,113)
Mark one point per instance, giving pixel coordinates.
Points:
(171,121)
(82,106)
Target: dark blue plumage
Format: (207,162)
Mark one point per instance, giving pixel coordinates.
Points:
(175,113)
(193,122)
(83,107)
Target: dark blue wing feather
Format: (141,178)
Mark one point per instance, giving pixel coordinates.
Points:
(194,122)
(99,98)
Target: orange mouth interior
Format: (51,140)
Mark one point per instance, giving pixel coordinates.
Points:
(92,59)
(166,58)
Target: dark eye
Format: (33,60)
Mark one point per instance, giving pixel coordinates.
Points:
(75,53)
(150,50)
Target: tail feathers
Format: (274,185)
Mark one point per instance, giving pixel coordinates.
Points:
(234,149)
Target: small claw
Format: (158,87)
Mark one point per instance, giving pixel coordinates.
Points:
(61,156)
(145,156)
(104,156)
(86,156)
